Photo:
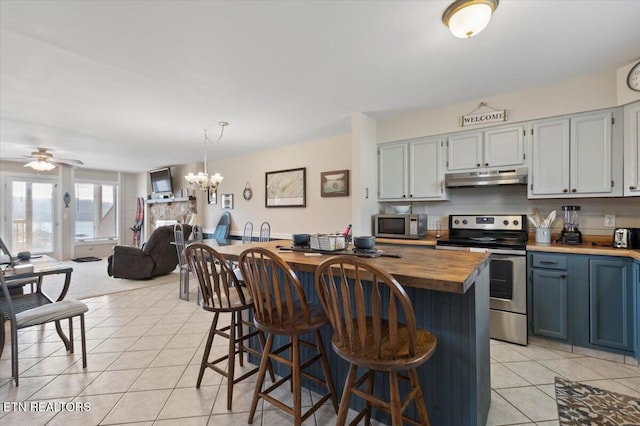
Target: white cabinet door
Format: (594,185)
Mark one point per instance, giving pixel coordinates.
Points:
(549,171)
(464,151)
(426,174)
(632,150)
(591,154)
(392,171)
(504,146)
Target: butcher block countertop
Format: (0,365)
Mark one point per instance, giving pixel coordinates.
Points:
(439,270)
(593,245)
(584,248)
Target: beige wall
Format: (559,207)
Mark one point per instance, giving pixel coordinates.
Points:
(586,93)
(320,215)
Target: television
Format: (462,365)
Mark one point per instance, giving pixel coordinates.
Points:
(161,181)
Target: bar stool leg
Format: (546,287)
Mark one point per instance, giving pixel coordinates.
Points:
(261,373)
(422,408)
(240,334)
(207,349)
(346,395)
(231,360)
(297,381)
(394,393)
(370,378)
(326,370)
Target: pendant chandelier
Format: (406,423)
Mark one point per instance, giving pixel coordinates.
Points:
(202,180)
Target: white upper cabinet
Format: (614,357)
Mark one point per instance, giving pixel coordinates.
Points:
(426,171)
(393,167)
(549,171)
(504,146)
(464,151)
(632,150)
(572,157)
(411,170)
(497,147)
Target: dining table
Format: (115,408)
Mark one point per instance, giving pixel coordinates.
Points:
(450,295)
(19,274)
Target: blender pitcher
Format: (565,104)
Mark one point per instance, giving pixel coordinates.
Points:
(570,233)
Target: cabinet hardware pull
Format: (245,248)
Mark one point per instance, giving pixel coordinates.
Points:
(573,190)
(565,190)
(548,262)
(632,188)
(486,164)
(404,196)
(478,165)
(563,276)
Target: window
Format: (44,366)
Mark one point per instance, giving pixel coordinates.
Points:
(96,211)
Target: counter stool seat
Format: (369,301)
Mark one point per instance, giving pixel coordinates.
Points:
(374,327)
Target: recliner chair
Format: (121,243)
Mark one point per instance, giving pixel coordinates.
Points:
(156,257)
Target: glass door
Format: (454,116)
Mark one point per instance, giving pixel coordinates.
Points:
(31,215)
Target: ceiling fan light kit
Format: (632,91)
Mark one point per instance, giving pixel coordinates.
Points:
(202,180)
(43,161)
(467,18)
(40,165)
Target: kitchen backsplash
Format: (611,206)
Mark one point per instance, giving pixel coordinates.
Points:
(512,199)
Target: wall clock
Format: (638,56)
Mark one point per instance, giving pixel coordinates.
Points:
(247,193)
(633,79)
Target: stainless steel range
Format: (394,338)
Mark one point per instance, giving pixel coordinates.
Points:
(505,237)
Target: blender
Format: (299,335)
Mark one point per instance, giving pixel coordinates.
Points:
(570,233)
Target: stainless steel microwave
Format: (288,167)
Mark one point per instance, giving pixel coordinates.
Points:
(409,226)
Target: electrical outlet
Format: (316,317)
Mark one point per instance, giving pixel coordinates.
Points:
(609,220)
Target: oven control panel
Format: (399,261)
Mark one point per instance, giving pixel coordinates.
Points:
(489,222)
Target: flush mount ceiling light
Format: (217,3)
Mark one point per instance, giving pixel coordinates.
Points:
(202,180)
(466,18)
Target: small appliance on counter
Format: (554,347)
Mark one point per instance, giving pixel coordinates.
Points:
(570,233)
(409,226)
(628,238)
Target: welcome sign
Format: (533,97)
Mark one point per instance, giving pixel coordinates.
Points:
(485,117)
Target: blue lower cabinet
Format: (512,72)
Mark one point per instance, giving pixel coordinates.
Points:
(549,293)
(611,304)
(636,308)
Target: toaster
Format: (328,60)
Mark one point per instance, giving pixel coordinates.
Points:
(628,238)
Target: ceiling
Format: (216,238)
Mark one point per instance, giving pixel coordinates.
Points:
(130,85)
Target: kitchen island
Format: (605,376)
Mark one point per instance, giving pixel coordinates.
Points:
(450,295)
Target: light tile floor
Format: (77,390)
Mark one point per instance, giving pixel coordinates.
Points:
(145,348)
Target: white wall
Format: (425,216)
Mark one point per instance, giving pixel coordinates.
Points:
(321,215)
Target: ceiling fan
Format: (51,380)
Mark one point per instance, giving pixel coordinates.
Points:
(42,160)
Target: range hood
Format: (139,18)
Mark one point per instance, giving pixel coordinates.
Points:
(513,176)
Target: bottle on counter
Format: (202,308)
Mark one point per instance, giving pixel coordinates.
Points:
(347,234)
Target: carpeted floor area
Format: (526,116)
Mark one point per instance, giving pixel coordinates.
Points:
(580,404)
(90,279)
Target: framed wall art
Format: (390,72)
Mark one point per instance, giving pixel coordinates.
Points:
(286,188)
(212,196)
(227,201)
(334,184)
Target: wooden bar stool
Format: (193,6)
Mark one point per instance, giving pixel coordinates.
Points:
(365,306)
(281,308)
(221,292)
